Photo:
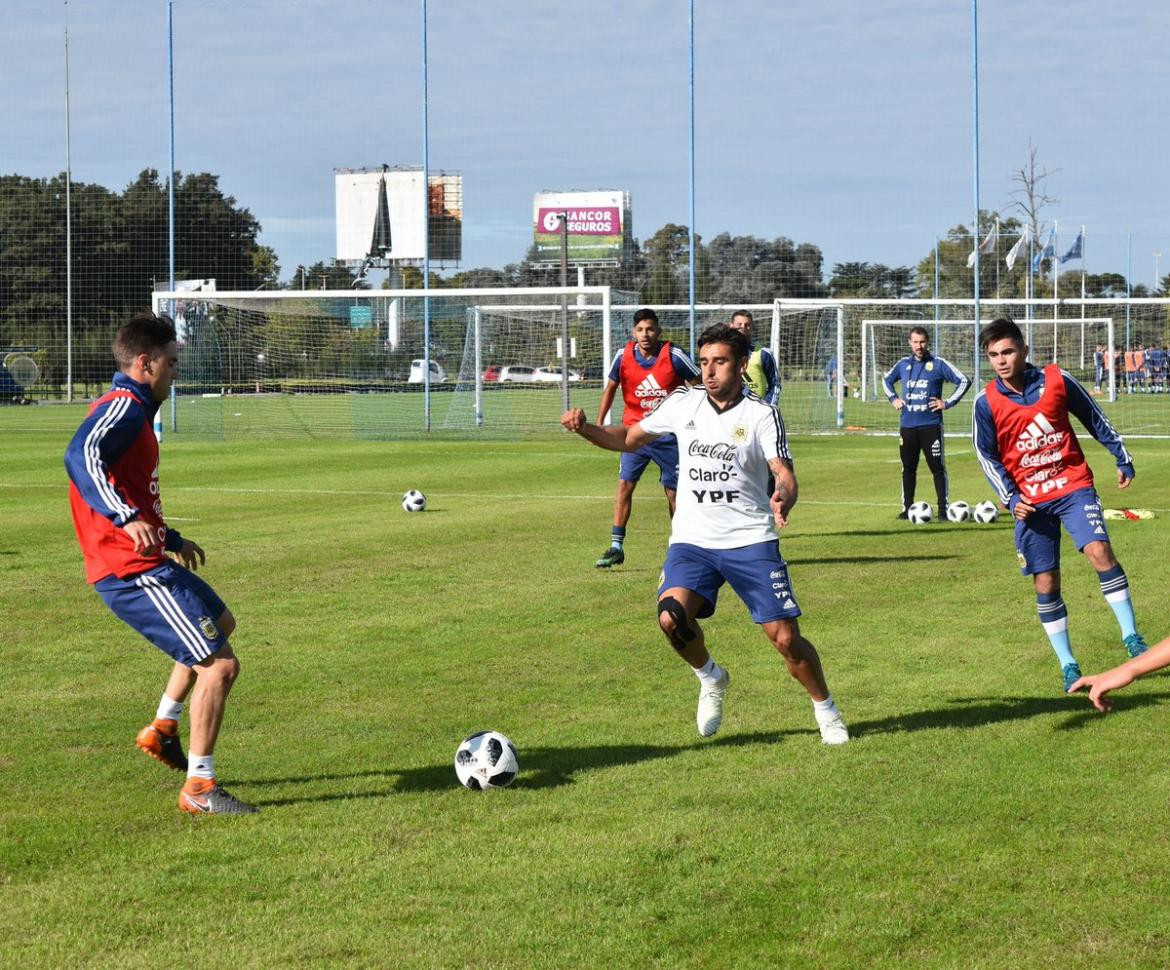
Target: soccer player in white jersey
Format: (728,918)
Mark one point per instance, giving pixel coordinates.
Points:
(725,524)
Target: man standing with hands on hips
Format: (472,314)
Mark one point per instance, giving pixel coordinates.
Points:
(920,409)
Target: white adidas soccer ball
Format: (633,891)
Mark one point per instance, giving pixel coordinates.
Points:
(985,513)
(958,512)
(414,501)
(486,760)
(919,513)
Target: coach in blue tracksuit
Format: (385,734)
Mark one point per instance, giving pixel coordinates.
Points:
(921,406)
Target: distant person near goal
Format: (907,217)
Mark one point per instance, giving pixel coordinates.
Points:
(113,464)
(920,407)
(725,529)
(645,371)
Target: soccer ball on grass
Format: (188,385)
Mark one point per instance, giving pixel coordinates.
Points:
(486,760)
(919,513)
(958,512)
(985,513)
(414,501)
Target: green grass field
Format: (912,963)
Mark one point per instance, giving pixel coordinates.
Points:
(978,819)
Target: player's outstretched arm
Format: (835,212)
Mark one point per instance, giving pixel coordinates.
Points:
(1157,657)
(616,437)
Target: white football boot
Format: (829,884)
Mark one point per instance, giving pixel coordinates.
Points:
(709,715)
(833,729)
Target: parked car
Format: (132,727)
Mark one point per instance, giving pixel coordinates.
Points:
(552,375)
(438,375)
(491,374)
(518,374)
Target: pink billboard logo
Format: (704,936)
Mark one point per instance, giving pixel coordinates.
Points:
(593,221)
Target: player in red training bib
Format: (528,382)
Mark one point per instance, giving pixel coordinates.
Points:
(1028,451)
(113,464)
(645,371)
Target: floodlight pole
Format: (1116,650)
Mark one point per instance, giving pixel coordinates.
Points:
(68,229)
(975,149)
(170,183)
(426,180)
(564,220)
(691,96)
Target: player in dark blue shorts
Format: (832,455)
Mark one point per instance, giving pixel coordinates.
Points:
(114,495)
(646,370)
(725,526)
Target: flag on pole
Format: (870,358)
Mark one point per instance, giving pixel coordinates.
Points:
(1010,258)
(1077,249)
(1048,252)
(985,247)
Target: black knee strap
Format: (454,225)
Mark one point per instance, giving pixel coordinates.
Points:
(682,633)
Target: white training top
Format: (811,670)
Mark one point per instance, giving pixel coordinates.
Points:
(723,500)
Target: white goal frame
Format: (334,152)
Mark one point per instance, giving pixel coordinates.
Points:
(869,368)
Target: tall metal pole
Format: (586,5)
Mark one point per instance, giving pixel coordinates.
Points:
(935,291)
(170,183)
(975,150)
(691,97)
(564,219)
(1128,283)
(426,233)
(68,229)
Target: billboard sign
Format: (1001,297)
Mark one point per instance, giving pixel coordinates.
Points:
(598,226)
(379,216)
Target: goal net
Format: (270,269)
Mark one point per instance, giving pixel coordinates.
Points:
(377,363)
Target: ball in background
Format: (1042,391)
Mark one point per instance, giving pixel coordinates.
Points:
(919,513)
(414,501)
(985,513)
(486,760)
(958,512)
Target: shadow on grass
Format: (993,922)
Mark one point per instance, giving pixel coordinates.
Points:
(970,712)
(554,767)
(539,767)
(821,560)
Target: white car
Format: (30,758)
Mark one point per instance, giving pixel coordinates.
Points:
(517,374)
(552,375)
(438,375)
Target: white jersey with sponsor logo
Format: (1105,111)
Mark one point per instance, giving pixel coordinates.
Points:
(723,500)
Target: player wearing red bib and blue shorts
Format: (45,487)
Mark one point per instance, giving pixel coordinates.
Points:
(1027,448)
(646,370)
(113,466)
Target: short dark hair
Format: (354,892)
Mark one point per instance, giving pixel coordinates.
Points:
(721,333)
(645,314)
(1001,328)
(744,313)
(145,333)
(921,330)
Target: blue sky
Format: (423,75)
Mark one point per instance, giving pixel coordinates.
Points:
(845,123)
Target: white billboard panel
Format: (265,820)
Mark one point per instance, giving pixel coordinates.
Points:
(357,204)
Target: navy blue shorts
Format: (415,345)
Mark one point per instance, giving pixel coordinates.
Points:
(757,573)
(663,452)
(1038,536)
(170,606)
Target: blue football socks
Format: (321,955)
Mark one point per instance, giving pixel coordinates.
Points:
(1115,589)
(1054,619)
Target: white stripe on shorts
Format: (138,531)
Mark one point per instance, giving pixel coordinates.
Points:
(165,602)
